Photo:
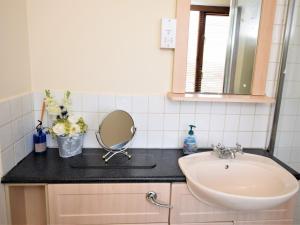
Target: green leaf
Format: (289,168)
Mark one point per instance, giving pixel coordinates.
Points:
(48,93)
(67,94)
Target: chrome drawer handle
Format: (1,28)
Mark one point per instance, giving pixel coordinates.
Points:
(151,196)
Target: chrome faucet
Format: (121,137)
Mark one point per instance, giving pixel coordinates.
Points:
(225,152)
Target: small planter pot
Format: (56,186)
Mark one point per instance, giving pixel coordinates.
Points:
(70,146)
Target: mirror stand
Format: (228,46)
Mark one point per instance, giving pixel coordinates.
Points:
(112,152)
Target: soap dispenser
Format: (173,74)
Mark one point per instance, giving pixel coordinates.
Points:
(39,139)
(189,144)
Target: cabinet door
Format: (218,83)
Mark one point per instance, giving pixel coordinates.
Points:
(188,209)
(270,222)
(106,203)
(282,212)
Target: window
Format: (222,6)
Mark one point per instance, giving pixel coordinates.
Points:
(208,34)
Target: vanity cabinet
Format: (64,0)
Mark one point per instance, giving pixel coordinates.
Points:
(126,203)
(88,204)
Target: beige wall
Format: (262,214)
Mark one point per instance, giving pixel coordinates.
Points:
(14,61)
(14,54)
(106,46)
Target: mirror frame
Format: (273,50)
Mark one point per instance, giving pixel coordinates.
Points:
(264,43)
(100,138)
(111,152)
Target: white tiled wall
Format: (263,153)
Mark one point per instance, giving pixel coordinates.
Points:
(288,137)
(16,127)
(162,123)
(287,147)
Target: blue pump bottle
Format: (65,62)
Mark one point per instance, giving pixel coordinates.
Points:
(39,139)
(190,145)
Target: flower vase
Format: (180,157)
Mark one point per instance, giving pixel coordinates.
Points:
(70,145)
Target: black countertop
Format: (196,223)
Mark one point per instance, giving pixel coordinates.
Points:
(50,168)
(147,165)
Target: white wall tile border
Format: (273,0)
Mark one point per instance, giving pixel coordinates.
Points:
(16,129)
(156,115)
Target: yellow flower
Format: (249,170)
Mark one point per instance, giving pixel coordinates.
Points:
(74,129)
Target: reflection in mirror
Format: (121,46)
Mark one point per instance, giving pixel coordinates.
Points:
(246,15)
(208,33)
(222,43)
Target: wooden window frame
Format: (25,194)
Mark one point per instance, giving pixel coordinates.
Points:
(203,12)
(260,69)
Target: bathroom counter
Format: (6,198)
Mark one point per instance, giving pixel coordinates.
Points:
(150,165)
(50,168)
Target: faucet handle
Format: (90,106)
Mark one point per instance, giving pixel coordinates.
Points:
(239,148)
(218,147)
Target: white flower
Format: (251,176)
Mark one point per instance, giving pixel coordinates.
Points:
(73,119)
(74,129)
(59,129)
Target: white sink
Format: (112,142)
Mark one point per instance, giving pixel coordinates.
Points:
(248,182)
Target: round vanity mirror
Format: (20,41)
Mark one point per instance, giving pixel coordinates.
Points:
(115,133)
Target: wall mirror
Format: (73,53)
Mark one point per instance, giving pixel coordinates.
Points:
(222,42)
(116,133)
(222,50)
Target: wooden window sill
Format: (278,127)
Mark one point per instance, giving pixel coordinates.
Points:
(220,98)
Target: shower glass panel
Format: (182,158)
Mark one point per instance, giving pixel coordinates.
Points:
(287,142)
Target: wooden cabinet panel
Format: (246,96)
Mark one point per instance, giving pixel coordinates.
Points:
(106,203)
(188,209)
(269,222)
(27,204)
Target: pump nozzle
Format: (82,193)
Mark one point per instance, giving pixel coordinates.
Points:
(39,126)
(191,132)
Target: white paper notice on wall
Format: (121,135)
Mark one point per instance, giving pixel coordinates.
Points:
(168,33)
